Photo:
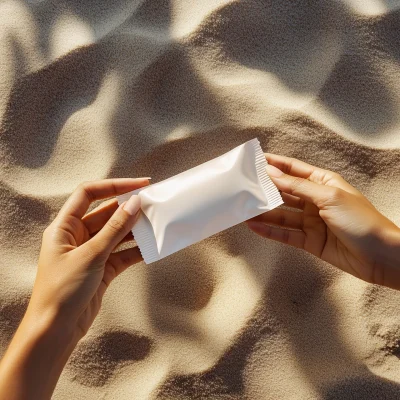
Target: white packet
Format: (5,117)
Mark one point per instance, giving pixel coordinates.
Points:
(202,201)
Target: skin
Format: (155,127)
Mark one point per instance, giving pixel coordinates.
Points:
(77,263)
(329,218)
(332,220)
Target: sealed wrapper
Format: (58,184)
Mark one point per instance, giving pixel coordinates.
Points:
(202,201)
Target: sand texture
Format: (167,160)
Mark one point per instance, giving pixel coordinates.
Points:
(97,89)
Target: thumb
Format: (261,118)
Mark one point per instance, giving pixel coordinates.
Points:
(301,187)
(117,227)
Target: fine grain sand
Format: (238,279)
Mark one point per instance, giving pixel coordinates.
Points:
(98,89)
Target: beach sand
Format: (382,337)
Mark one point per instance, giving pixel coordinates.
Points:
(100,89)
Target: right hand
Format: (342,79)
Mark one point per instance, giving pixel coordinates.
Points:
(336,222)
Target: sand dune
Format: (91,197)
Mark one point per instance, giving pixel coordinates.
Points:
(97,89)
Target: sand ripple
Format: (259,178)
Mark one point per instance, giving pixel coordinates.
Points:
(97,89)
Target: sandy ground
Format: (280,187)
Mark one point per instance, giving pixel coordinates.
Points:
(97,89)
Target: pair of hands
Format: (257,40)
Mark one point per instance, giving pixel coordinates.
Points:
(329,218)
(336,223)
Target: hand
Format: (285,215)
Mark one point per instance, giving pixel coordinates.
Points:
(336,222)
(76,265)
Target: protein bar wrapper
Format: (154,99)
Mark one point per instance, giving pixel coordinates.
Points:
(202,201)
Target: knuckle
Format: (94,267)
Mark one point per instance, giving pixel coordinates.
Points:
(267,231)
(333,197)
(302,203)
(318,176)
(337,194)
(81,186)
(95,252)
(296,184)
(85,187)
(282,218)
(116,224)
(332,178)
(287,167)
(336,175)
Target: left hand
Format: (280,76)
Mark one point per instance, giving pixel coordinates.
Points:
(77,262)
(76,265)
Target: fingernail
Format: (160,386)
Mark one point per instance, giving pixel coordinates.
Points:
(273,171)
(132,205)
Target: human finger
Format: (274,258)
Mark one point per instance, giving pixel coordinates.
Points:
(286,236)
(293,201)
(127,238)
(281,217)
(294,167)
(116,228)
(290,166)
(98,217)
(118,263)
(87,192)
(301,187)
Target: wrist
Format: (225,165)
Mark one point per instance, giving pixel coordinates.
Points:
(38,352)
(388,257)
(50,326)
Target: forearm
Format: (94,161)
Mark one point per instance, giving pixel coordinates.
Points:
(35,358)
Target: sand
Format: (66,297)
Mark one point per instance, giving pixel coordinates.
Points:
(99,89)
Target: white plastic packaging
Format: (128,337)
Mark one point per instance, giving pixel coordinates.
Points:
(202,201)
